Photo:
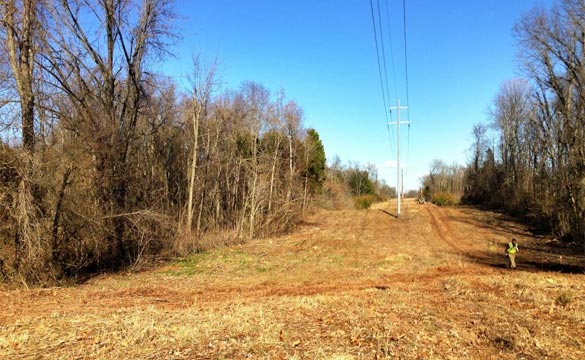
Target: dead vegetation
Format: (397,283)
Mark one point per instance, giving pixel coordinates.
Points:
(345,285)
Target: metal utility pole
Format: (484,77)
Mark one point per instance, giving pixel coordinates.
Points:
(398,108)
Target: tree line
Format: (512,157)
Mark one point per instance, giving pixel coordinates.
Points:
(104,162)
(535,166)
(444,184)
(353,186)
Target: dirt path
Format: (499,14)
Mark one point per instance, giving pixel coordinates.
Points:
(482,237)
(345,284)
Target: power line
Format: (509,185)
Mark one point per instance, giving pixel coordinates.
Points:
(405,53)
(378,58)
(379,65)
(391,49)
(406,76)
(384,82)
(391,137)
(388,28)
(408,146)
(383,50)
(390,131)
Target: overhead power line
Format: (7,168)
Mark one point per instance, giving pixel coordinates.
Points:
(391,48)
(406,76)
(385,96)
(405,51)
(384,81)
(383,51)
(378,56)
(389,31)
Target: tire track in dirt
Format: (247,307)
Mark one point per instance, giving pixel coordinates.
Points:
(370,225)
(63,302)
(182,293)
(442,228)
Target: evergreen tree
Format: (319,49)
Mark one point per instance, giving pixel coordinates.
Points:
(315,162)
(360,184)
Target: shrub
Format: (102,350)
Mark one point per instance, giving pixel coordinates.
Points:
(364,201)
(444,199)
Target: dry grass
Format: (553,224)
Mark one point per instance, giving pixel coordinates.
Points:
(346,285)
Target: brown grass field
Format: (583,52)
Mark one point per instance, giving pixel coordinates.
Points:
(344,285)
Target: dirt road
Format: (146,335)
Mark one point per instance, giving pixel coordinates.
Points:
(346,284)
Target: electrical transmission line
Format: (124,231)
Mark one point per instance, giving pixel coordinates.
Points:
(391,48)
(384,83)
(378,57)
(383,51)
(406,77)
(405,48)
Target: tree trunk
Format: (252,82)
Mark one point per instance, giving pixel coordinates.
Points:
(195,117)
(291,170)
(204,192)
(253,190)
(272,173)
(21,55)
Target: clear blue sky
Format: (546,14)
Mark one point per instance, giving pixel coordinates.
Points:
(322,53)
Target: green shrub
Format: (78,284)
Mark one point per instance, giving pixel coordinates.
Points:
(444,199)
(364,201)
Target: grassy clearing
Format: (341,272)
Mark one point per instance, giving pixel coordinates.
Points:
(454,317)
(348,285)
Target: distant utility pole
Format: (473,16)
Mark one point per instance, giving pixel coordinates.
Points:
(402,182)
(398,108)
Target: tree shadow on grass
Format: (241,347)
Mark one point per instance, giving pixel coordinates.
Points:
(538,253)
(533,261)
(555,267)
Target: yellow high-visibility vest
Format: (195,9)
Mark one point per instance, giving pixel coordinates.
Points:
(512,249)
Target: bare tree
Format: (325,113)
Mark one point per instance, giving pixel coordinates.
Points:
(20,26)
(203,83)
(20,23)
(293,115)
(510,113)
(256,100)
(103,75)
(120,161)
(554,57)
(276,125)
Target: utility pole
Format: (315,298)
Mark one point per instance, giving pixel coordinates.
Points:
(398,108)
(402,182)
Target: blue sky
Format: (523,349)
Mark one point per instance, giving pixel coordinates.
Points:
(322,53)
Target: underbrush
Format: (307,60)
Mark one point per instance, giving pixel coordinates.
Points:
(444,199)
(319,293)
(364,201)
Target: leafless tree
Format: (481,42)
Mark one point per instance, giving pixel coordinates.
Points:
(123,159)
(553,45)
(20,27)
(203,83)
(540,124)
(97,55)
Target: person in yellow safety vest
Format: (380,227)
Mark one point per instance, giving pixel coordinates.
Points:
(511,253)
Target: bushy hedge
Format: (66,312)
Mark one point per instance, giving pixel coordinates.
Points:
(364,201)
(444,199)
